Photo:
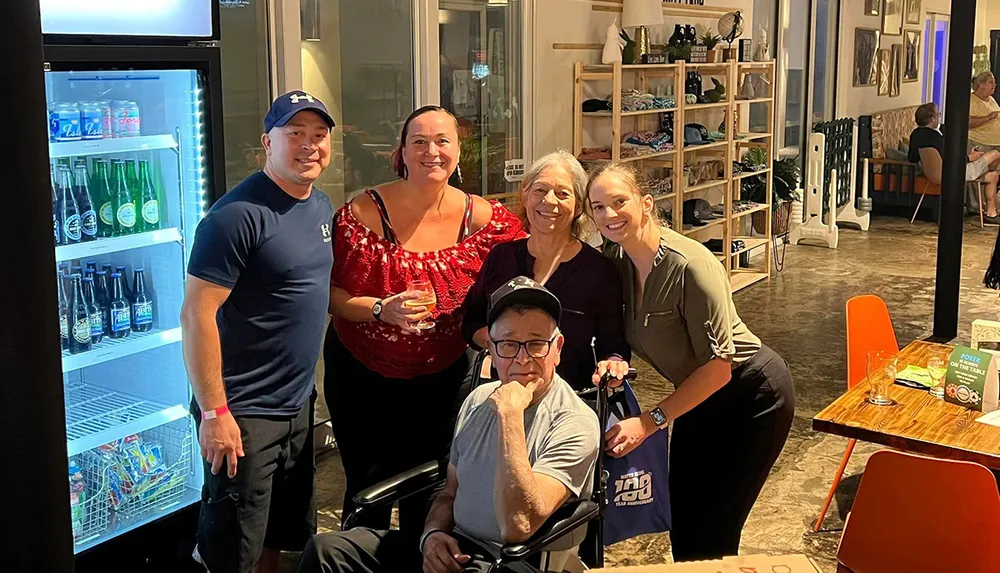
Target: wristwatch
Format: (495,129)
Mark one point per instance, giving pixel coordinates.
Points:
(377,310)
(659,418)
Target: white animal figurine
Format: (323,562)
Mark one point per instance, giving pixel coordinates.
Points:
(760,51)
(613,45)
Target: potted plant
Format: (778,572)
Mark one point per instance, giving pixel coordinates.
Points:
(710,40)
(785,180)
(678,52)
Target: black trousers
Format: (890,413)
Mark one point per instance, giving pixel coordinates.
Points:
(363,550)
(385,426)
(721,453)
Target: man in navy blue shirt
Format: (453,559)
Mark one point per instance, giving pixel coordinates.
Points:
(254,311)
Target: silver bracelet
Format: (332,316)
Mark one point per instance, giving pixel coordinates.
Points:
(428,533)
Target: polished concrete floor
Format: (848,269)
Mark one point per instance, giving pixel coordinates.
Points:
(799,312)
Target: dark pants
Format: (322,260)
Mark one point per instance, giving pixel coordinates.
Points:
(385,426)
(363,550)
(271,501)
(721,453)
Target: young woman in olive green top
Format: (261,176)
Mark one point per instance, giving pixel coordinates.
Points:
(734,401)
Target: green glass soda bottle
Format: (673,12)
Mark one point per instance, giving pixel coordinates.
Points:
(150,204)
(132,179)
(103,200)
(124,203)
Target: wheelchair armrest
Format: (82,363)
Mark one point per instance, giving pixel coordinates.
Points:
(564,520)
(401,485)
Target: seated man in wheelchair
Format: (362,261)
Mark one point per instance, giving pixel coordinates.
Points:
(523,447)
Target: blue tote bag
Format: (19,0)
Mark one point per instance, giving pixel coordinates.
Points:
(638,494)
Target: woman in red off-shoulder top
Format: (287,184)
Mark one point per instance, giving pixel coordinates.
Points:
(391,388)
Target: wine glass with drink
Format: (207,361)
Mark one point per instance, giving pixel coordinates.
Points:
(425,298)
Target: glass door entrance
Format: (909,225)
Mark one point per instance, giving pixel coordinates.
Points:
(480,79)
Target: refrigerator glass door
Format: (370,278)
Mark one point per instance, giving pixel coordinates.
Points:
(128,170)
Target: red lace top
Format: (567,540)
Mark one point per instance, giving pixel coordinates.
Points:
(368,265)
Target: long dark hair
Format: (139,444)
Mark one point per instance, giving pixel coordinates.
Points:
(397,156)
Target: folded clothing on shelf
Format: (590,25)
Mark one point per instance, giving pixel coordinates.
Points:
(594,153)
(596,105)
(715,245)
(740,206)
(656,140)
(661,186)
(635,100)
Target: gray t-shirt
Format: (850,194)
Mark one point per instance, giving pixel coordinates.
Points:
(562,436)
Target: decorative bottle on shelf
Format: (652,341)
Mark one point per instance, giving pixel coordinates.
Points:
(69,211)
(56,225)
(124,204)
(690,35)
(150,219)
(94,310)
(142,305)
(63,312)
(101,189)
(119,309)
(678,37)
(79,318)
(88,216)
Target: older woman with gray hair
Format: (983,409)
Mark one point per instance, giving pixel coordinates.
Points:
(551,206)
(984,125)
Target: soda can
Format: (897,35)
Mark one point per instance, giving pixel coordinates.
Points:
(92,122)
(125,118)
(64,122)
(106,124)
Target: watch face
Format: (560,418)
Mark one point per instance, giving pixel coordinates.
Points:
(377,309)
(658,417)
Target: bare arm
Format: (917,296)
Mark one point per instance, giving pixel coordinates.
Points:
(708,379)
(201,344)
(523,499)
(980,120)
(352,308)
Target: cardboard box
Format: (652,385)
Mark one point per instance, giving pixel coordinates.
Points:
(742,564)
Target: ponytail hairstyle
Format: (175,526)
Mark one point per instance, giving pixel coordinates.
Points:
(397,155)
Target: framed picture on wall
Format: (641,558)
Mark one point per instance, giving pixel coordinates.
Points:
(911,56)
(865,56)
(912,11)
(892,17)
(895,71)
(872,7)
(884,71)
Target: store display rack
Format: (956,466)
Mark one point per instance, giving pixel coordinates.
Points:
(734,225)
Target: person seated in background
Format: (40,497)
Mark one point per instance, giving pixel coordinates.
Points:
(523,447)
(926,144)
(984,113)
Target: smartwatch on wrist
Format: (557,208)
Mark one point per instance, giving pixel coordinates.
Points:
(377,310)
(659,418)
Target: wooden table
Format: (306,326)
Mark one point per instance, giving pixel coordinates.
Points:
(918,422)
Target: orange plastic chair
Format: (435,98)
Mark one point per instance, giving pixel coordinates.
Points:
(868,328)
(922,515)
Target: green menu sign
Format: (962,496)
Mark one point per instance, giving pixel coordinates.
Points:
(971,380)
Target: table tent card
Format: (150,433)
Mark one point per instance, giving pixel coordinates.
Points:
(971,380)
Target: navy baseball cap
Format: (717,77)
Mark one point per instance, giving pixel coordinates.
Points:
(522,290)
(291,103)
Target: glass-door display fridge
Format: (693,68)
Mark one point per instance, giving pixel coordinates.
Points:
(135,162)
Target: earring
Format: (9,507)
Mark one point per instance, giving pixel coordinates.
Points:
(458,169)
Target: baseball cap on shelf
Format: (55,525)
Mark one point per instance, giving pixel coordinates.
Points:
(287,105)
(698,212)
(522,290)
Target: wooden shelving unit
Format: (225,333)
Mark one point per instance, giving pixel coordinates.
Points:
(732,225)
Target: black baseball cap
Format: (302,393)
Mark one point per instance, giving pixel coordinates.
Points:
(287,105)
(522,290)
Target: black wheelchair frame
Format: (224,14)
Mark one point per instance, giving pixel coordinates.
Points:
(565,520)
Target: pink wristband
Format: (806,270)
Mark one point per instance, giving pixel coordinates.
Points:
(212,414)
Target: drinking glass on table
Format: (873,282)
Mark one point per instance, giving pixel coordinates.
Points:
(882,370)
(427,298)
(937,367)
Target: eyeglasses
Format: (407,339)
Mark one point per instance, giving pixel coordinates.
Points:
(534,348)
